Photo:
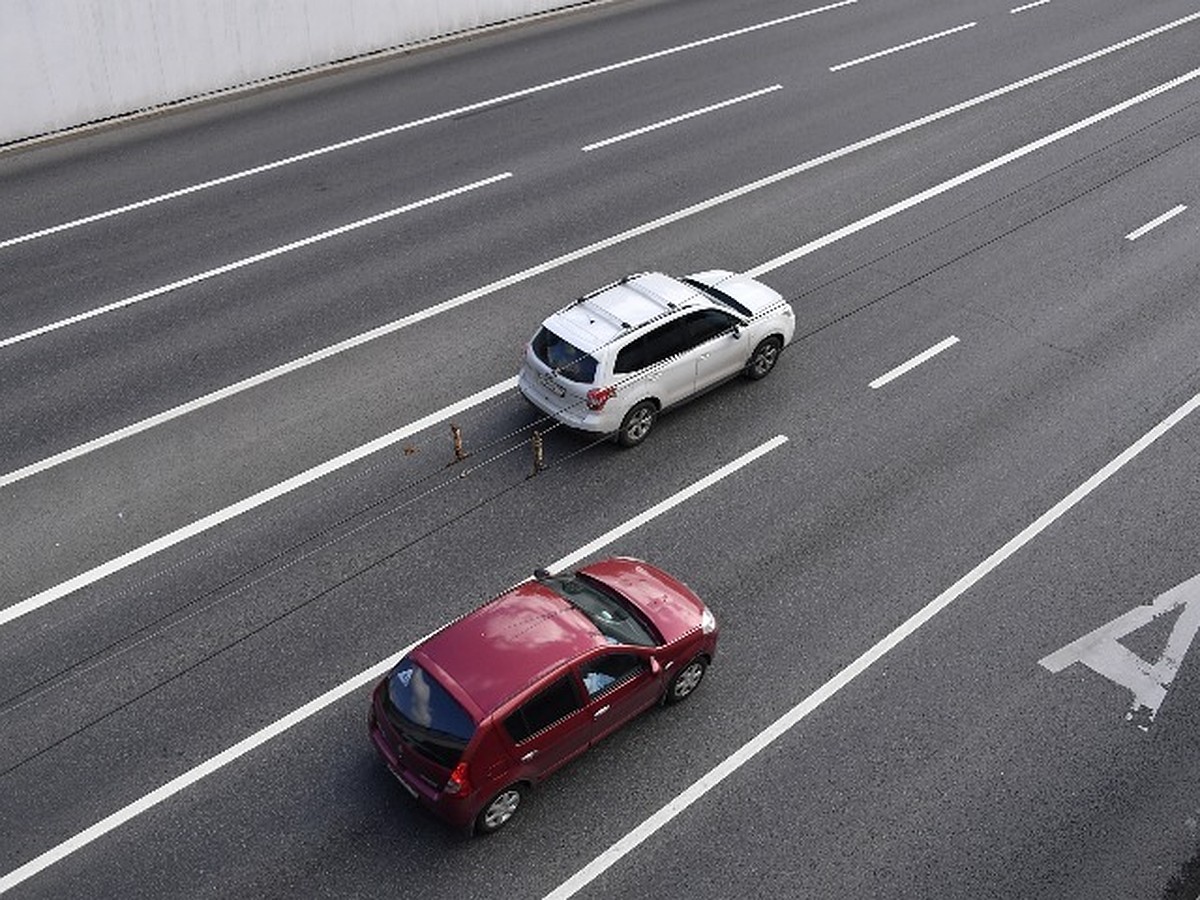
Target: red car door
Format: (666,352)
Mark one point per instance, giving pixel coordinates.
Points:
(549,728)
(620,683)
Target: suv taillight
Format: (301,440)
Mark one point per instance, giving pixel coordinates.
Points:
(597,397)
(458,783)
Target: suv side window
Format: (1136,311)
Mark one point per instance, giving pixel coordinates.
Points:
(664,341)
(706,324)
(542,710)
(609,670)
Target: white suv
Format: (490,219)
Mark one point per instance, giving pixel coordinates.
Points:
(610,362)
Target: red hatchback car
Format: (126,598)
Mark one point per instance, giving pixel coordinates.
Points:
(495,701)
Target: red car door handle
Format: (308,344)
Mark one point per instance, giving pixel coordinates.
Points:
(601,711)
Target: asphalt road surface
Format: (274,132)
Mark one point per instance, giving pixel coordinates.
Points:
(954,548)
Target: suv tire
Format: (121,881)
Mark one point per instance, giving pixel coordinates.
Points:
(764,357)
(637,423)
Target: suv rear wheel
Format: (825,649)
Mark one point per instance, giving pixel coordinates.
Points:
(637,424)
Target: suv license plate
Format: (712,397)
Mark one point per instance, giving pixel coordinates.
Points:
(553,386)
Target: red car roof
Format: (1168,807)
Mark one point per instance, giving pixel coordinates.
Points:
(506,644)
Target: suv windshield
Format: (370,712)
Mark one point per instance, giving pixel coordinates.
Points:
(720,296)
(426,715)
(564,357)
(613,616)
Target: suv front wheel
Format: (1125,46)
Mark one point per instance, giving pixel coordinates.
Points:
(637,423)
(764,357)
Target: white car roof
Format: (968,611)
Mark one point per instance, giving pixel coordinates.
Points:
(596,319)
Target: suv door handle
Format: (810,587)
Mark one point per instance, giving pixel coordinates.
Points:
(528,756)
(601,711)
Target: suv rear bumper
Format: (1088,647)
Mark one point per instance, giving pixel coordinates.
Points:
(567,410)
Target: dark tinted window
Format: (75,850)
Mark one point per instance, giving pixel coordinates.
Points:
(614,616)
(426,715)
(653,347)
(569,360)
(609,670)
(542,710)
(706,324)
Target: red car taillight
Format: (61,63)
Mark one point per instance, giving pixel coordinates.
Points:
(597,397)
(458,782)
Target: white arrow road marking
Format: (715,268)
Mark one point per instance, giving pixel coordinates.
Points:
(1102,652)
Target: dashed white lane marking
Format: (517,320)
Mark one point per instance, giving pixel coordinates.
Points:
(970,175)
(240,749)
(1021,9)
(125,560)
(438,117)
(829,689)
(1154,223)
(914,362)
(897,49)
(681,118)
(250,260)
(454,302)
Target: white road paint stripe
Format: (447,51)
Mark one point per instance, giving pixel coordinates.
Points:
(1154,223)
(680,118)
(829,689)
(416,123)
(695,209)
(970,175)
(1021,9)
(190,777)
(897,49)
(250,260)
(913,363)
(240,749)
(657,510)
(91,576)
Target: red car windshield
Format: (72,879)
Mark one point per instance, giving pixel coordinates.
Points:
(614,616)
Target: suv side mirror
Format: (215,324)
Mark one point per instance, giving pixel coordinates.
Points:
(655,668)
(737,332)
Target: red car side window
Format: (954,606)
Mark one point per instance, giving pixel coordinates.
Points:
(542,710)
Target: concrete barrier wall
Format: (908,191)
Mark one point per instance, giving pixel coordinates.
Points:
(69,62)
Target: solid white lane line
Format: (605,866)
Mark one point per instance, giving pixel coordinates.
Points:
(674,500)
(437,117)
(680,118)
(203,770)
(240,749)
(1020,9)
(250,260)
(913,363)
(891,50)
(1154,223)
(91,576)
(970,175)
(511,280)
(829,689)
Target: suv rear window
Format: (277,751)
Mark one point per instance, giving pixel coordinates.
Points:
(563,356)
(426,715)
